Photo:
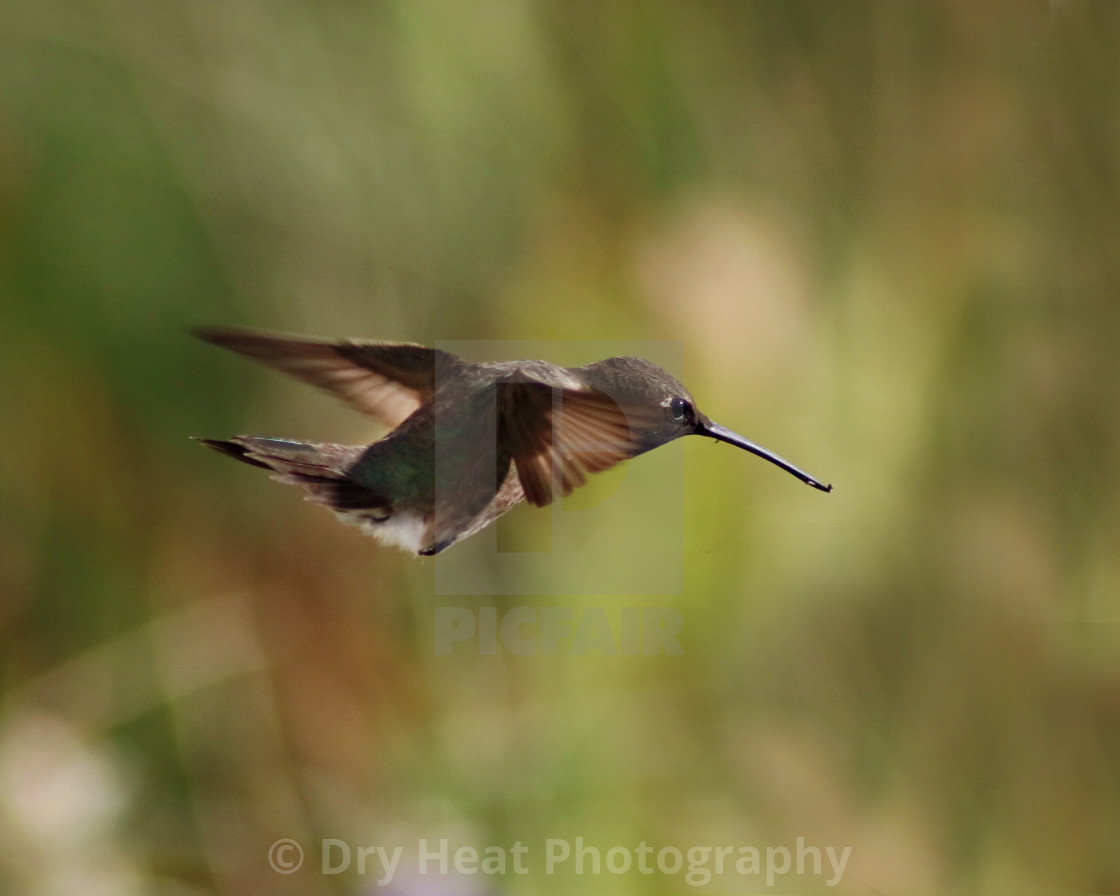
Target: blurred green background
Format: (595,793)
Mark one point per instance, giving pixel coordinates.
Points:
(886,238)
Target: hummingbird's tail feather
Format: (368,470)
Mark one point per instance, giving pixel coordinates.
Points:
(319,469)
(231,449)
(323,471)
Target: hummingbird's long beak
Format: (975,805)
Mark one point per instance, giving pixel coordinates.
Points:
(723,434)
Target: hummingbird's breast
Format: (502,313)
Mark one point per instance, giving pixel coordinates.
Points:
(442,471)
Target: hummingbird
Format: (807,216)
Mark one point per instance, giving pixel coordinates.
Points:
(467,441)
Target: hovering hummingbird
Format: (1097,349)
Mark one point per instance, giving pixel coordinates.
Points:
(468,441)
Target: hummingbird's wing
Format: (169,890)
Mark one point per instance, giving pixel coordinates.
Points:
(387,380)
(557,434)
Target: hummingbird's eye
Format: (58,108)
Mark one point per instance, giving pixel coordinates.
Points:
(680,409)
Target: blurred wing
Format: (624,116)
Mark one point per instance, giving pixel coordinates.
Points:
(556,435)
(387,380)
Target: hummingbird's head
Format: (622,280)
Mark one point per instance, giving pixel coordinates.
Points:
(660,409)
